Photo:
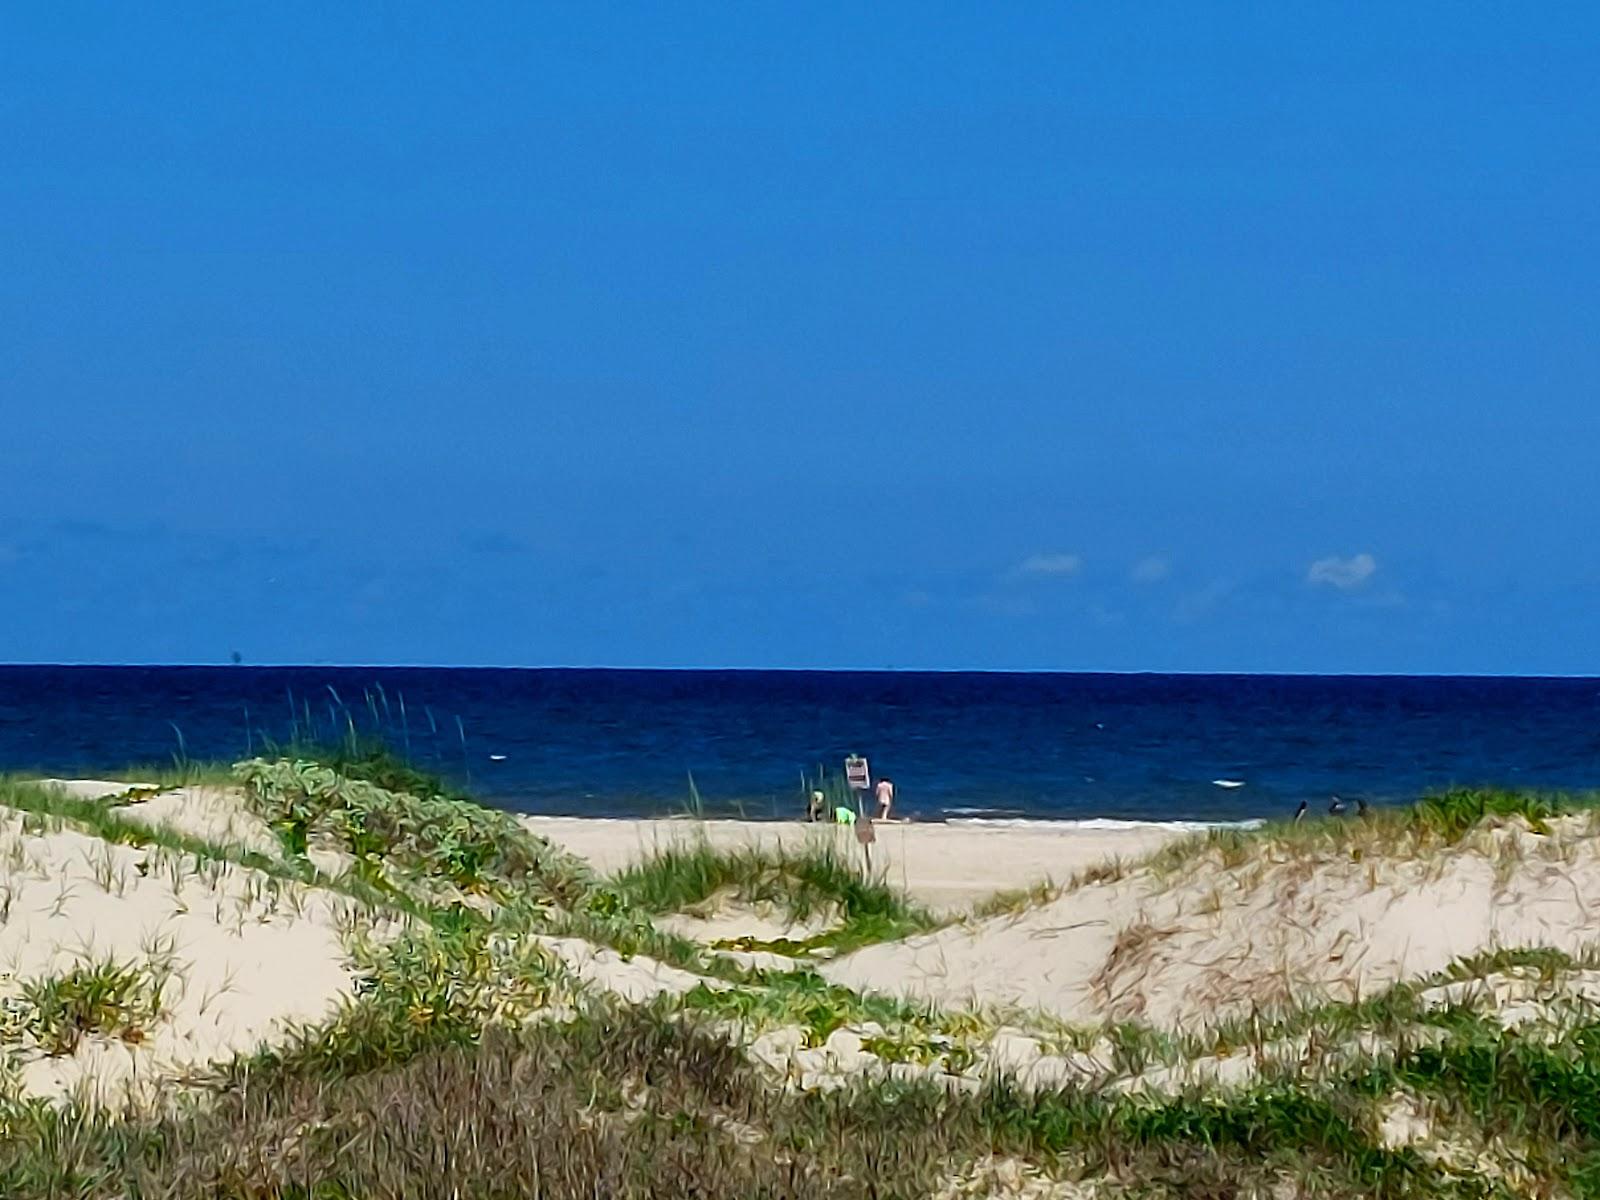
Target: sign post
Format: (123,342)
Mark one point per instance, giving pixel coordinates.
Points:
(855,772)
(859,778)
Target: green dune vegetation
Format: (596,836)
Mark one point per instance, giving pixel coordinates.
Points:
(328,976)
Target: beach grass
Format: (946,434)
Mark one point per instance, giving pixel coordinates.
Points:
(627,1103)
(44,806)
(1438,820)
(116,999)
(101,817)
(177,772)
(817,882)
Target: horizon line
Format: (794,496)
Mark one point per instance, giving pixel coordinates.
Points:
(434,666)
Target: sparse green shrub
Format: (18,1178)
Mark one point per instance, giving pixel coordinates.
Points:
(409,838)
(903,1046)
(106,997)
(1449,815)
(805,999)
(1515,1084)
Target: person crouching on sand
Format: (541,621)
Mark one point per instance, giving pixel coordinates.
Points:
(818,806)
(885,799)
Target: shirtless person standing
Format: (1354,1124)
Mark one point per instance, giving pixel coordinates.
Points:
(885,793)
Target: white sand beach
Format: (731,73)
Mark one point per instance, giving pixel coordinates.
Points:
(949,868)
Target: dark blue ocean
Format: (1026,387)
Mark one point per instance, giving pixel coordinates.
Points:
(957,746)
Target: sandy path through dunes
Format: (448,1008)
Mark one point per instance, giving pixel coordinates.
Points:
(947,867)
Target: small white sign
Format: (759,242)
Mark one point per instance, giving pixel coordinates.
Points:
(855,773)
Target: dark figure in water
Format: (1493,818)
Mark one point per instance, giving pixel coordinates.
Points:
(1336,807)
(1363,809)
(1300,813)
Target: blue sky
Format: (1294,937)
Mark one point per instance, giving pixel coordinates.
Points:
(1176,337)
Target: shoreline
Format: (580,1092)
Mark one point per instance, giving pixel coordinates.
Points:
(1039,823)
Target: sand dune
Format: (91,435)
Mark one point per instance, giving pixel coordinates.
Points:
(212,814)
(199,959)
(228,956)
(1289,923)
(239,954)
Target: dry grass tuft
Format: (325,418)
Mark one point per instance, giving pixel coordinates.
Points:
(1127,966)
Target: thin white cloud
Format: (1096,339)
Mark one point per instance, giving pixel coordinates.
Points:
(1057,565)
(1151,570)
(1342,573)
